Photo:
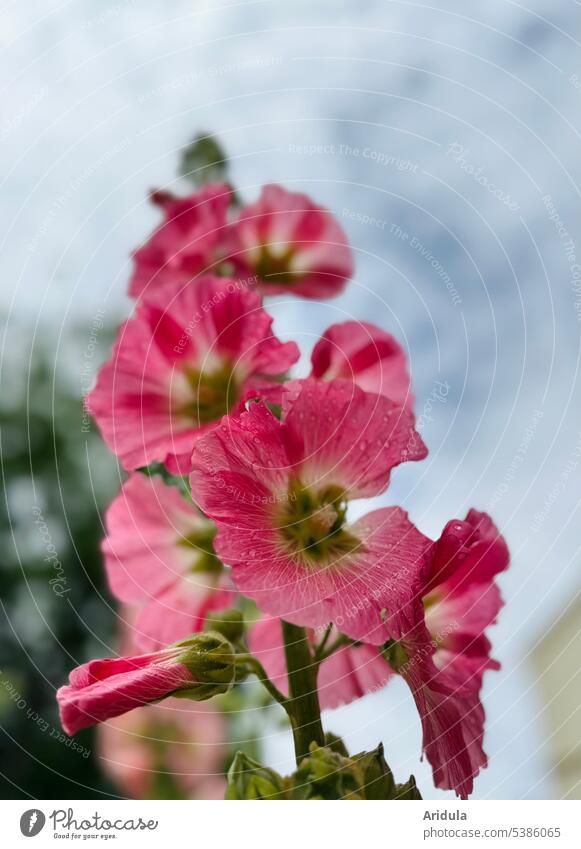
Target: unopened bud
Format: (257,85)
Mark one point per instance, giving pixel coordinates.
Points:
(209,656)
(378,780)
(326,774)
(249,779)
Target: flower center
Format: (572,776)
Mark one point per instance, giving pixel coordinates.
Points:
(312,523)
(202,541)
(215,393)
(275,268)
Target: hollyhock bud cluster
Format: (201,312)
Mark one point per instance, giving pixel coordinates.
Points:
(239,483)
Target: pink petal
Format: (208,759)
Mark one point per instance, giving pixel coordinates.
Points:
(145,525)
(341,435)
(366,593)
(365,354)
(186,243)
(469,551)
(108,690)
(180,610)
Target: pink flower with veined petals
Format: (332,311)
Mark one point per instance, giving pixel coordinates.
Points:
(278,492)
(178,742)
(159,555)
(102,689)
(461,601)
(187,357)
(291,244)
(186,243)
(442,657)
(362,352)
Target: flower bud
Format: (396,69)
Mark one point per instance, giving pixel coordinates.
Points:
(249,779)
(408,790)
(210,659)
(326,774)
(378,780)
(229,623)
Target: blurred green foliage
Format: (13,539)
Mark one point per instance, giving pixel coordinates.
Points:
(56,611)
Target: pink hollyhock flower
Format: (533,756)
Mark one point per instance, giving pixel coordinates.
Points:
(291,245)
(179,365)
(159,555)
(186,243)
(442,657)
(278,492)
(461,601)
(170,750)
(365,354)
(102,689)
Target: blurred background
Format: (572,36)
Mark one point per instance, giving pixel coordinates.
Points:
(445,137)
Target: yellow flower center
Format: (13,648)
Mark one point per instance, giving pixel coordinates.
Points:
(311,524)
(216,392)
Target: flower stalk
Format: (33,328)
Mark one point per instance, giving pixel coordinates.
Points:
(303,704)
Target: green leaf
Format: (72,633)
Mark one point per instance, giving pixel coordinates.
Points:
(378,780)
(325,774)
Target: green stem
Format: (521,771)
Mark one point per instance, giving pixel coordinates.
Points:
(341,641)
(303,708)
(260,673)
(320,648)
